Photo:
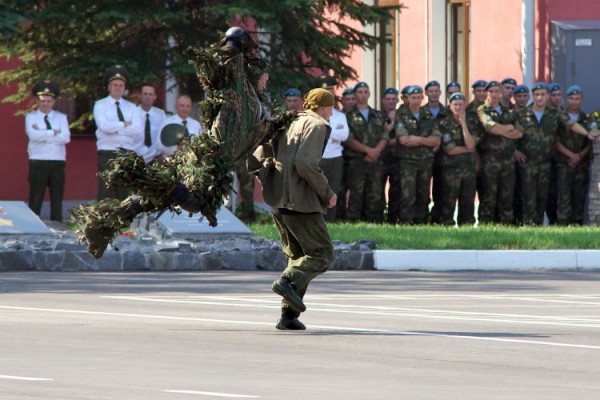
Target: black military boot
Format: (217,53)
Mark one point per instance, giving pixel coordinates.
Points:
(284,288)
(289,321)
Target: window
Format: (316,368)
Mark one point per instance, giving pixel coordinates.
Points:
(460,33)
(389,53)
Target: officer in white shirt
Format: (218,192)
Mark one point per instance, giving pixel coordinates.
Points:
(119,125)
(332,162)
(153,118)
(183,109)
(48,133)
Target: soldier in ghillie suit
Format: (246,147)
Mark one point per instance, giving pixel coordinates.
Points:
(196,178)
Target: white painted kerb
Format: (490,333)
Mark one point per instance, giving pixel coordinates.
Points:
(446,260)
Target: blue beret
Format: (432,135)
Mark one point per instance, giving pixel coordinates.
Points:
(553,87)
(575,89)
(292,92)
(361,84)
(492,84)
(521,89)
(414,89)
(452,84)
(457,96)
(479,83)
(348,91)
(431,84)
(391,90)
(405,89)
(539,86)
(509,81)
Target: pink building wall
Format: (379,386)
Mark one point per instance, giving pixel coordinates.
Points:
(414,42)
(496,36)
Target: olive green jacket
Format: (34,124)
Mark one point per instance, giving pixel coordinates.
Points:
(289,172)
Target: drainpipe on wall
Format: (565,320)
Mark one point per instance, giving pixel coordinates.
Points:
(528,42)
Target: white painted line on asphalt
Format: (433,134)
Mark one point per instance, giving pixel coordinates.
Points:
(325,327)
(400,312)
(214,394)
(24,378)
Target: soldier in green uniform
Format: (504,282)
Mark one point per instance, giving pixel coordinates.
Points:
(556,96)
(389,102)
(416,137)
(539,124)
(439,112)
(497,164)
(507,88)
(479,95)
(521,96)
(348,100)
(556,101)
(368,137)
(298,191)
(451,88)
(292,100)
(404,96)
(457,165)
(572,161)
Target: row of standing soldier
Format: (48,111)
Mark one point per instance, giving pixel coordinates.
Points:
(522,161)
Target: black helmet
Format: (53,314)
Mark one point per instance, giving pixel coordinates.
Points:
(238,38)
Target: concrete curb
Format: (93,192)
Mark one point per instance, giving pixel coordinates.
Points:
(448,260)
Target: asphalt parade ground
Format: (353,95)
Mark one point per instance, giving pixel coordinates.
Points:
(371,335)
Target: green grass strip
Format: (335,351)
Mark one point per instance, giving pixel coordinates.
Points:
(485,237)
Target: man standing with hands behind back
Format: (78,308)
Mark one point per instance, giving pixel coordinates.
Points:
(153,118)
(48,133)
(297,190)
(119,125)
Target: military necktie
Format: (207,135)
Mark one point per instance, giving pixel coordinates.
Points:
(47,121)
(187,133)
(119,113)
(147,136)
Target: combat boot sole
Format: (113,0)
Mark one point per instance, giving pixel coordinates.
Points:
(283,288)
(285,324)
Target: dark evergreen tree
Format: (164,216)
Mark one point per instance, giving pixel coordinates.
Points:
(73,42)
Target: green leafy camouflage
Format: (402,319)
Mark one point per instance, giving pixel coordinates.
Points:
(197,177)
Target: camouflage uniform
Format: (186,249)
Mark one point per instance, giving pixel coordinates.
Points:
(245,210)
(388,161)
(416,165)
(538,144)
(477,131)
(457,174)
(572,183)
(438,181)
(365,178)
(497,167)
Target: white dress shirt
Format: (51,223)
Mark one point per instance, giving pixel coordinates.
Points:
(157,117)
(112,133)
(339,134)
(44,144)
(194,128)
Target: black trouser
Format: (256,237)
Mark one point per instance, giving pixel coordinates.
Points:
(50,173)
(104,157)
